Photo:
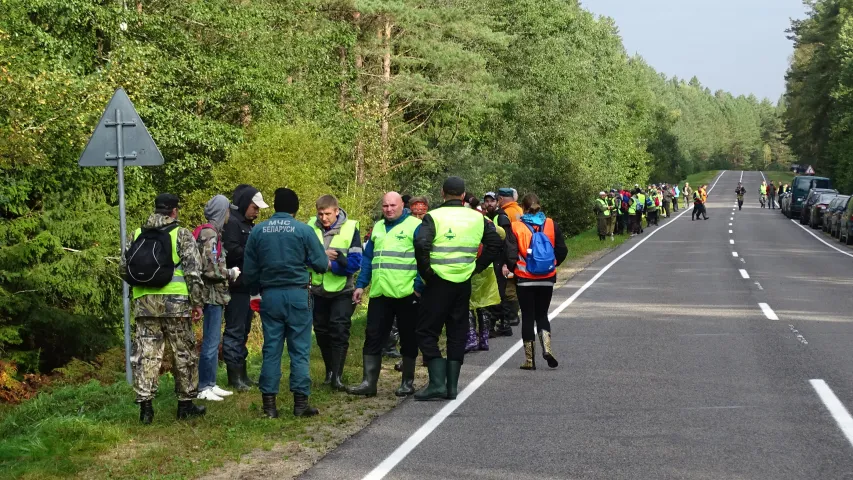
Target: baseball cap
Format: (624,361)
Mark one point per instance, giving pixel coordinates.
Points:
(166,201)
(258,200)
(505,192)
(490,194)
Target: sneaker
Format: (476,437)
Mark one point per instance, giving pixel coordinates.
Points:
(221,392)
(207,394)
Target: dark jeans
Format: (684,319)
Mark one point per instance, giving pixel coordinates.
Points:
(208,359)
(652,217)
(238,323)
(535,302)
(675,204)
(286,315)
(443,304)
(380,317)
(332,320)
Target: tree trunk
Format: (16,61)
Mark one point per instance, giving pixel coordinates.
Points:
(386,92)
(342,100)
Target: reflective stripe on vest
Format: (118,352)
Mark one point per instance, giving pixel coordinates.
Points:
(330,281)
(178,285)
(604,206)
(524,236)
(394,267)
(458,233)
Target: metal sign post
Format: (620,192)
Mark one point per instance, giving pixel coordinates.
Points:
(143,152)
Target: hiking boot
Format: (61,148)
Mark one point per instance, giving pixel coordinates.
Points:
(372,365)
(408,378)
(529,356)
(269,407)
(301,407)
(453,369)
(235,378)
(187,409)
(146,412)
(437,387)
(547,353)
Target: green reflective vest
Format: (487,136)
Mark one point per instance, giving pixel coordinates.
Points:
(178,285)
(458,233)
(764,189)
(394,267)
(642,199)
(331,282)
(603,203)
(632,208)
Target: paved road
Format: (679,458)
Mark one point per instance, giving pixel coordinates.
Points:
(670,368)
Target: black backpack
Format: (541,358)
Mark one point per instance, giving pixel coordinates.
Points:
(149,259)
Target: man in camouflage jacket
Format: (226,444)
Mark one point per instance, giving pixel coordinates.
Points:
(168,318)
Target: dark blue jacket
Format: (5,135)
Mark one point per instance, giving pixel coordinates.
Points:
(280,251)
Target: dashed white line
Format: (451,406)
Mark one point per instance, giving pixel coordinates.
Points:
(768,312)
(743,273)
(836,408)
(731,218)
(741,175)
(759,286)
(731,241)
(730,224)
(734,254)
(730,231)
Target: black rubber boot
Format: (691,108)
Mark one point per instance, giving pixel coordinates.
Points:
(269,408)
(339,357)
(244,374)
(390,348)
(146,412)
(187,409)
(407,385)
(437,388)
(326,352)
(372,365)
(301,407)
(453,369)
(512,318)
(235,378)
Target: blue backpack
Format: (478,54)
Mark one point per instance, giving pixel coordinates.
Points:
(540,255)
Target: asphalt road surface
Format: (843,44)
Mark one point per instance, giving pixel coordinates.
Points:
(699,350)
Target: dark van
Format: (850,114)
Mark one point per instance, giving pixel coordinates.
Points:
(800,188)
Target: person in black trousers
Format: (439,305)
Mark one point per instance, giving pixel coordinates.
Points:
(534,291)
(247,201)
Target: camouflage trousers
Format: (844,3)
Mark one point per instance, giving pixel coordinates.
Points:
(152,335)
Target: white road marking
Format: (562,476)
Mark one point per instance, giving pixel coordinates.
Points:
(821,240)
(798,336)
(741,175)
(426,429)
(742,260)
(732,218)
(743,273)
(734,254)
(759,286)
(731,241)
(768,312)
(762,176)
(730,224)
(730,231)
(836,408)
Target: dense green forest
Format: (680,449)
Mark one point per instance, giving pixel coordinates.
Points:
(820,90)
(350,96)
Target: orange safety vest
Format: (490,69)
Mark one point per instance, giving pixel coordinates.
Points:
(513,211)
(704,195)
(524,236)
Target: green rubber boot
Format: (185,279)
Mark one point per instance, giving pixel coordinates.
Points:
(453,369)
(407,386)
(367,387)
(437,388)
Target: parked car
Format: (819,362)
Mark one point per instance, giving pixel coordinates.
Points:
(811,199)
(800,188)
(835,213)
(845,225)
(819,207)
(785,203)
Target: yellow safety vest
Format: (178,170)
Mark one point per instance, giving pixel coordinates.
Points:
(458,233)
(178,285)
(604,206)
(330,281)
(394,267)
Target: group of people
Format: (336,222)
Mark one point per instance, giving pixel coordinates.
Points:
(466,266)
(767,194)
(622,211)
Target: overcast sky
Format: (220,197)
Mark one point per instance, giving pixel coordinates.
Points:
(734,45)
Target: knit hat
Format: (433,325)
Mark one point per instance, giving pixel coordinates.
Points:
(286,201)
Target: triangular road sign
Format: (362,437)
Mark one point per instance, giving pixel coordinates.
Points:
(120,132)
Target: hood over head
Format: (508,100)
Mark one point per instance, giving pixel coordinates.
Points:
(216,210)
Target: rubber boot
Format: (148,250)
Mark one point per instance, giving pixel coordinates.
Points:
(407,384)
(326,352)
(437,387)
(146,412)
(187,409)
(244,374)
(529,356)
(513,320)
(339,358)
(390,348)
(269,408)
(372,365)
(453,369)
(301,407)
(399,365)
(547,353)
(235,378)
(484,319)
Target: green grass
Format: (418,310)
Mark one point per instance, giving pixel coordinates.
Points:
(698,179)
(587,242)
(92,430)
(784,177)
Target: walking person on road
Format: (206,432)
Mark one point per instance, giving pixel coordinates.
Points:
(771,195)
(688,194)
(740,191)
(216,277)
(675,194)
(165,307)
(276,256)
(388,266)
(446,247)
(762,191)
(247,203)
(506,313)
(536,270)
